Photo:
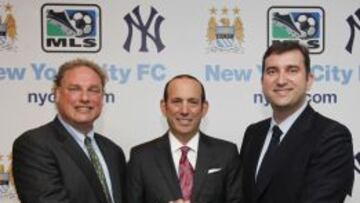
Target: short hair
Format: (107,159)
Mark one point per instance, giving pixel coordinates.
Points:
(280,47)
(203,94)
(69,65)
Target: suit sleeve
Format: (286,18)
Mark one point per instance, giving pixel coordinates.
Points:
(233,177)
(331,169)
(36,175)
(134,185)
(241,176)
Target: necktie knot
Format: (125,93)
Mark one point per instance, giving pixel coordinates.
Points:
(184,150)
(276,134)
(87,141)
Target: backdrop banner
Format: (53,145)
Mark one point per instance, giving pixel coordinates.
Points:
(143,43)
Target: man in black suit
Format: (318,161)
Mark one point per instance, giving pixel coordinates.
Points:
(306,158)
(160,172)
(65,161)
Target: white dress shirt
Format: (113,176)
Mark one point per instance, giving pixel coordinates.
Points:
(284,127)
(80,138)
(175,146)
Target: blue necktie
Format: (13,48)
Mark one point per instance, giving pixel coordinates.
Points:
(274,143)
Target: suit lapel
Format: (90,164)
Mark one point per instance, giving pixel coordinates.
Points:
(166,165)
(203,163)
(114,169)
(255,150)
(258,140)
(79,158)
(288,145)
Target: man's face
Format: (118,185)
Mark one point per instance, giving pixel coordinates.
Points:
(285,81)
(184,108)
(79,97)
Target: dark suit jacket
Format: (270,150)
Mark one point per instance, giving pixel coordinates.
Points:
(50,167)
(152,176)
(313,163)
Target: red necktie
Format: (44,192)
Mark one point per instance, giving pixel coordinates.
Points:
(186,173)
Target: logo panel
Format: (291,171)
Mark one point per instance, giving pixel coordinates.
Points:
(71,28)
(8,30)
(353,22)
(225,31)
(302,24)
(135,20)
(357,162)
(7,187)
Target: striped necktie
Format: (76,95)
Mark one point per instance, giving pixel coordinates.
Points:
(186,173)
(99,170)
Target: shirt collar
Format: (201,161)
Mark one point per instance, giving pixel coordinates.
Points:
(77,135)
(289,121)
(175,144)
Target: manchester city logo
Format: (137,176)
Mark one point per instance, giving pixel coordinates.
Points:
(7,187)
(225,30)
(7,28)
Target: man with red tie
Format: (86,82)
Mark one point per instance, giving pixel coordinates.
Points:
(184,165)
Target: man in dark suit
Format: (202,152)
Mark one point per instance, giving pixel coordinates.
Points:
(184,164)
(298,155)
(65,161)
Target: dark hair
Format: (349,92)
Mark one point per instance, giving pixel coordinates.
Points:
(285,46)
(69,65)
(203,95)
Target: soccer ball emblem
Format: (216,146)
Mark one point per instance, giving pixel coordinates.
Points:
(82,22)
(306,25)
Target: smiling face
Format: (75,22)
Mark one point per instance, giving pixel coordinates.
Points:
(79,97)
(184,108)
(285,81)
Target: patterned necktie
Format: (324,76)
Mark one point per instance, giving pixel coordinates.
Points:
(99,170)
(186,173)
(274,143)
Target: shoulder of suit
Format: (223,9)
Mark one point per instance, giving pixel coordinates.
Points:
(217,141)
(323,122)
(39,131)
(258,124)
(148,146)
(38,135)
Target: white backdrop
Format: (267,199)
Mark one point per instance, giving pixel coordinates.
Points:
(228,67)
